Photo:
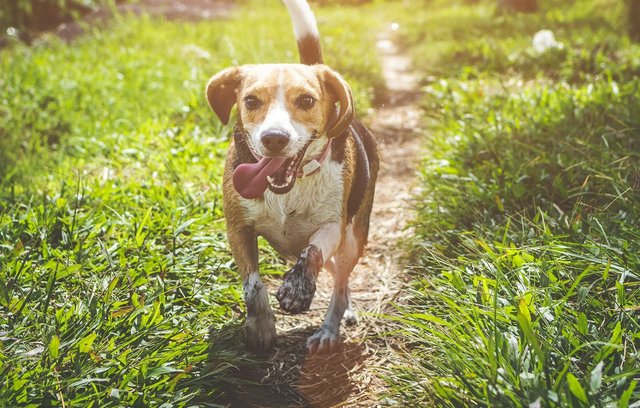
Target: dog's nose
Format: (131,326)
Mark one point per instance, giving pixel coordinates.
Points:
(275,140)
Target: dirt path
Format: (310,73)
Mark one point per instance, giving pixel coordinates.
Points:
(352,378)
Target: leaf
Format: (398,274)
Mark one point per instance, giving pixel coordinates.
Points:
(596,377)
(582,323)
(65,271)
(60,202)
(620,293)
(5,298)
(498,201)
(429,318)
(523,310)
(122,311)
(528,300)
(140,235)
(54,345)
(623,402)
(110,288)
(88,381)
(85,344)
(165,369)
(575,388)
(184,226)
(616,336)
(612,345)
(524,320)
(605,273)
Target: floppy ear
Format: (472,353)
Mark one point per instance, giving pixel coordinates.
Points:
(340,90)
(222,92)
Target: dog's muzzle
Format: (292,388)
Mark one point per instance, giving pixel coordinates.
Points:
(275,141)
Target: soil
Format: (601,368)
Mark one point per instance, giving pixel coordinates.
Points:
(291,377)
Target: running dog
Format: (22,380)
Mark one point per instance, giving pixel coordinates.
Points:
(300,172)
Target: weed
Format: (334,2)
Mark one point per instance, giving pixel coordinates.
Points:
(526,287)
(113,264)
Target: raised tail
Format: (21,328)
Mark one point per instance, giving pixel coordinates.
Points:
(306,31)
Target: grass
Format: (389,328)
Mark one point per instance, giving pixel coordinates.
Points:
(116,285)
(113,261)
(526,286)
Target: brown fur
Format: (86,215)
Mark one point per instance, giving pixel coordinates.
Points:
(354,151)
(233,85)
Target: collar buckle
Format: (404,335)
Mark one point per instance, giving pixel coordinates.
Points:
(315,164)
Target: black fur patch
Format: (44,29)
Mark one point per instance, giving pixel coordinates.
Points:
(338,147)
(310,51)
(366,160)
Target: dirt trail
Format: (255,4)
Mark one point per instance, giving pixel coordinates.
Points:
(352,378)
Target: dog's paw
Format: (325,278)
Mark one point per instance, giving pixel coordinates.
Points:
(350,317)
(299,284)
(260,333)
(325,340)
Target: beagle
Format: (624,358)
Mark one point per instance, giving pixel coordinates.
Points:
(301,173)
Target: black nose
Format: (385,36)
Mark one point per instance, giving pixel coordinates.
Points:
(275,140)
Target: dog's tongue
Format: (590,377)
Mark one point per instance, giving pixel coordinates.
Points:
(250,179)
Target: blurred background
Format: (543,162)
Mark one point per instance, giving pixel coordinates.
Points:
(29,16)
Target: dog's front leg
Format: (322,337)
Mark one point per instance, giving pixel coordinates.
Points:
(327,338)
(299,284)
(259,328)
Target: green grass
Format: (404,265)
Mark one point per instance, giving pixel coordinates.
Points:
(113,259)
(526,287)
(469,41)
(116,285)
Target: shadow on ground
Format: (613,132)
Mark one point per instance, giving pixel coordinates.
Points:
(287,377)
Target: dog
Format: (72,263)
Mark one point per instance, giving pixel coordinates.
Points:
(299,172)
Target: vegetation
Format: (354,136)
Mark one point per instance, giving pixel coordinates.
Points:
(116,285)
(113,262)
(33,15)
(526,288)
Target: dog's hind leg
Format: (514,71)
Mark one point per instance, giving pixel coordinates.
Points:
(327,338)
(350,315)
(259,328)
(299,284)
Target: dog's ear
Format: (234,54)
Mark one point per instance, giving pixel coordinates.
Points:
(222,91)
(341,91)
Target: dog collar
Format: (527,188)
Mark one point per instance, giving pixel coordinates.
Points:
(313,166)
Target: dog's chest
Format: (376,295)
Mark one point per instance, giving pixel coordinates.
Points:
(287,221)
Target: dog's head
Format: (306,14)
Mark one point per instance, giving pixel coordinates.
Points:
(282,106)
(285,111)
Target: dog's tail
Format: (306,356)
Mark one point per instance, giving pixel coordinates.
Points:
(306,31)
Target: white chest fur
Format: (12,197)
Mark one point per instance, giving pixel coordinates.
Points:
(288,220)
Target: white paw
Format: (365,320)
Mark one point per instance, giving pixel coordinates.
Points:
(260,333)
(350,317)
(325,340)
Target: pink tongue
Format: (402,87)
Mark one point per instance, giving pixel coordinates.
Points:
(250,179)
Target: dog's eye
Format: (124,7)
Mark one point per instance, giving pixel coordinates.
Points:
(305,102)
(251,102)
